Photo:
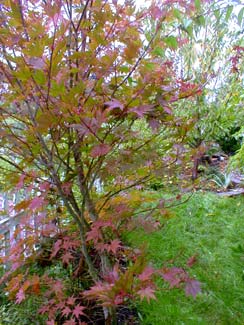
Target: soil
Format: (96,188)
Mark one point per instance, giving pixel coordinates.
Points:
(125,316)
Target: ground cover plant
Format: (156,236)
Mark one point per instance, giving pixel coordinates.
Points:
(208,232)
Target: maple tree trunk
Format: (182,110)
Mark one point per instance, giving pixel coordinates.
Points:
(91,268)
(112,318)
(195,169)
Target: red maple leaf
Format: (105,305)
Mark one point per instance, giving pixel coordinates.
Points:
(146,274)
(66,187)
(97,290)
(36,63)
(60,305)
(173,275)
(140,111)
(94,234)
(147,293)
(44,309)
(156,12)
(37,203)
(56,247)
(66,311)
(192,288)
(20,296)
(58,287)
(113,246)
(89,125)
(100,150)
(45,186)
(154,124)
(113,104)
(66,258)
(118,299)
(71,301)
(70,243)
(78,311)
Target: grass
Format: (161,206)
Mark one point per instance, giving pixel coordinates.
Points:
(212,228)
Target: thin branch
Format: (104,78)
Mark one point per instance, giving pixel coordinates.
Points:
(109,195)
(158,206)
(50,67)
(82,15)
(23,20)
(16,166)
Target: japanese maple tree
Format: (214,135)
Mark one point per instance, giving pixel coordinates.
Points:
(86,102)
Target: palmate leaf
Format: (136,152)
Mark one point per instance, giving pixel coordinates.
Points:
(66,311)
(228,12)
(142,110)
(192,287)
(114,246)
(78,311)
(36,63)
(113,104)
(67,257)
(147,292)
(146,274)
(173,276)
(71,301)
(37,203)
(100,150)
(171,41)
(20,296)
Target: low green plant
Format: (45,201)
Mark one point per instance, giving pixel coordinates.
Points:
(223,180)
(24,314)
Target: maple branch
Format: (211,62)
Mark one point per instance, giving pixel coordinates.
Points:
(92,132)
(109,195)
(149,140)
(70,12)
(79,220)
(28,106)
(159,206)
(82,15)
(23,20)
(180,203)
(12,164)
(50,67)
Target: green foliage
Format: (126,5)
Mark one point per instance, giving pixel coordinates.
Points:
(230,143)
(24,314)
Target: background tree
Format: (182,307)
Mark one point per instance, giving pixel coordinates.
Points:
(207,58)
